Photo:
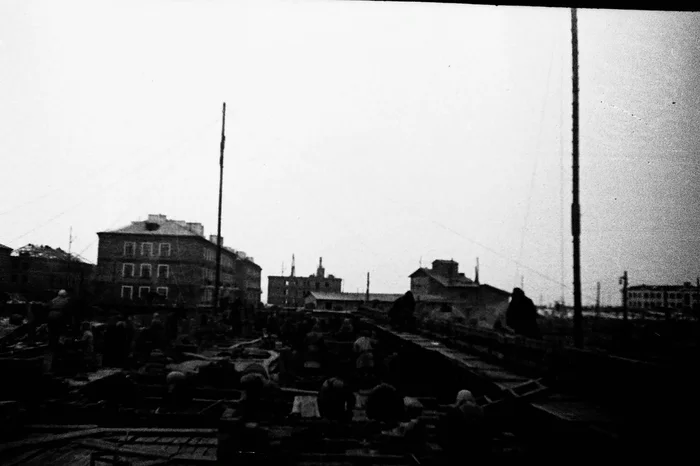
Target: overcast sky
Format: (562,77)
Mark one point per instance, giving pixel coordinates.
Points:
(377,135)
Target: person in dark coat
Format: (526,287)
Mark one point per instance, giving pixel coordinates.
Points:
(402,312)
(521,315)
(336,401)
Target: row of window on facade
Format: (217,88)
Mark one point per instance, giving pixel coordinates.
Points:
(164,251)
(650,305)
(143,291)
(317,285)
(659,295)
(146,249)
(145,270)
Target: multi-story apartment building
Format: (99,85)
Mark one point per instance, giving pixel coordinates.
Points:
(663,296)
(292,290)
(248,279)
(163,259)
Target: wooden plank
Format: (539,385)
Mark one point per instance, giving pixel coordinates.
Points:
(60,427)
(50,439)
(25,457)
(160,432)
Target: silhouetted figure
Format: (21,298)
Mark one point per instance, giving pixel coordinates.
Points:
(521,315)
(402,312)
(385,404)
(463,431)
(179,391)
(315,348)
(336,401)
(346,331)
(57,319)
(111,349)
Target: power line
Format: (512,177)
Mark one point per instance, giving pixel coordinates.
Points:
(101,187)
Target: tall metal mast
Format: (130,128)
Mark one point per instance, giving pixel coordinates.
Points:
(218,229)
(575,207)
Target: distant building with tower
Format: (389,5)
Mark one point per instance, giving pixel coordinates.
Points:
(291,290)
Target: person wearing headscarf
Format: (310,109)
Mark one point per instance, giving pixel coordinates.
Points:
(463,430)
(88,344)
(315,348)
(346,331)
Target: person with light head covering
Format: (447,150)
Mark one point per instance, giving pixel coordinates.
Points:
(88,343)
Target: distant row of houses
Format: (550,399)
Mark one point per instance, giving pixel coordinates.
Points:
(440,284)
(158,259)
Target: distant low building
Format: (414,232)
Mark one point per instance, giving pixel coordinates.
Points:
(292,290)
(337,301)
(40,271)
(443,283)
(663,296)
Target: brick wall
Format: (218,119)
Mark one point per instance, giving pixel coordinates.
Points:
(190,269)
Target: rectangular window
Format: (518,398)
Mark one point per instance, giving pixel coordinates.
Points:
(164,249)
(146,270)
(147,249)
(127,270)
(127,292)
(143,291)
(129,249)
(163,291)
(163,271)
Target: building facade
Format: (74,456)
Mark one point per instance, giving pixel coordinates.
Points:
(337,301)
(292,290)
(248,279)
(5,267)
(654,297)
(166,261)
(443,283)
(38,272)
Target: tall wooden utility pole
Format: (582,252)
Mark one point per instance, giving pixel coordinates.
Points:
(623,282)
(217,278)
(597,301)
(575,207)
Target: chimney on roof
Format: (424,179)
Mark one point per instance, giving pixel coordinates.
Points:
(157,218)
(215,239)
(196,228)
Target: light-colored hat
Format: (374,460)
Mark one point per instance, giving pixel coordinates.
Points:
(62,293)
(465,396)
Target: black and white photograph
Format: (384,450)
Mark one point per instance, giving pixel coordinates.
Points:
(348,232)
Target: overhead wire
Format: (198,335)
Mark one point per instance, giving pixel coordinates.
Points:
(534,168)
(88,197)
